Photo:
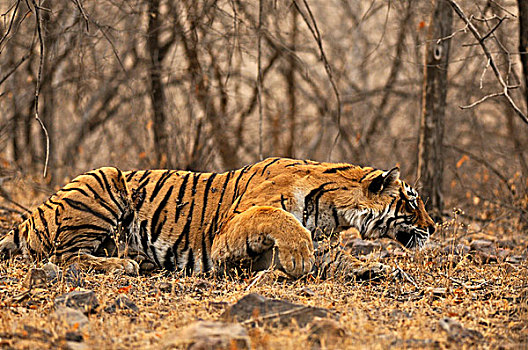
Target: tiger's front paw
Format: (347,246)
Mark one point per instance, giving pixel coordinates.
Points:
(296,257)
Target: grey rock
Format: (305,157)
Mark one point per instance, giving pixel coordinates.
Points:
(254,308)
(204,335)
(35,278)
(53,273)
(84,300)
(457,332)
(70,317)
(122,302)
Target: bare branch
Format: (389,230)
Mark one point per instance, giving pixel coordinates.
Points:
(37,86)
(481,41)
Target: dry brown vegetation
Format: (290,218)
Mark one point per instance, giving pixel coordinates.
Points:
(466,289)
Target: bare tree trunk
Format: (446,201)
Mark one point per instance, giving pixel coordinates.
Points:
(157,93)
(430,151)
(523,42)
(290,81)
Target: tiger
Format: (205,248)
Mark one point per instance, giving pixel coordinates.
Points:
(273,213)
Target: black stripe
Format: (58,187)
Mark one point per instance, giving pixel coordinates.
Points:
(159,184)
(316,199)
(292,164)
(244,192)
(181,193)
(84,208)
(80,190)
(366,174)
(59,204)
(309,198)
(47,205)
(110,192)
(144,235)
(155,225)
(335,216)
(168,260)
(140,198)
(205,257)
(46,228)
(155,255)
(83,227)
(214,224)
(16,237)
(205,197)
(102,202)
(235,188)
(130,175)
(94,175)
(144,176)
(267,165)
(283,200)
(189,267)
(335,170)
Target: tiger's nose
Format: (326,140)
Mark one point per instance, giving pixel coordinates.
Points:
(431,230)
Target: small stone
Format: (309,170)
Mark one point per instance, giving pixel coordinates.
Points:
(35,278)
(326,332)
(307,292)
(372,272)
(254,308)
(456,332)
(123,303)
(84,300)
(70,317)
(53,273)
(209,335)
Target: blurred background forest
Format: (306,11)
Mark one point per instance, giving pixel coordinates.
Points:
(216,84)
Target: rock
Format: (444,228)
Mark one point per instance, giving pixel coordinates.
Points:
(456,332)
(326,332)
(372,272)
(53,273)
(123,303)
(71,317)
(35,278)
(209,335)
(358,246)
(254,308)
(83,300)
(481,244)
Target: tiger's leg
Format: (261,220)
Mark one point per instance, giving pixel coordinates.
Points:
(99,263)
(256,232)
(331,261)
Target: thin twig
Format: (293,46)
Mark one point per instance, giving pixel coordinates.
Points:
(8,74)
(83,13)
(481,100)
(37,86)
(481,41)
(4,37)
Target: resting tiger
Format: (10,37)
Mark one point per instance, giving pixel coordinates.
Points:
(272,212)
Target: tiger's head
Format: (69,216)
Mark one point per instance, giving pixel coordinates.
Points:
(377,203)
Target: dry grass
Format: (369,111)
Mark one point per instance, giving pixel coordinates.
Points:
(483,289)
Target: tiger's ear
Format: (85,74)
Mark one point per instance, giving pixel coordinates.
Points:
(384,181)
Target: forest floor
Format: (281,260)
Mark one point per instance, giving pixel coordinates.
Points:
(468,288)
